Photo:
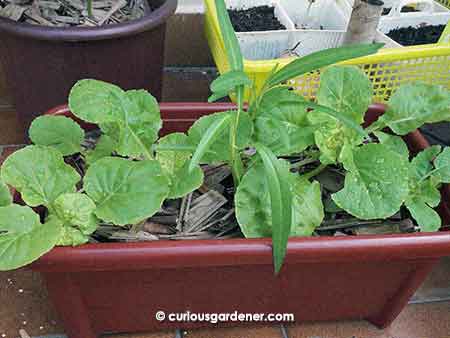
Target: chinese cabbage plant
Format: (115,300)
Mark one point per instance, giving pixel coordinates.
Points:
(131,171)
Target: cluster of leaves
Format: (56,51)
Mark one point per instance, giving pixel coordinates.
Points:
(130,172)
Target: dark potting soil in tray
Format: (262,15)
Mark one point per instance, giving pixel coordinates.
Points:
(411,36)
(405,9)
(260,18)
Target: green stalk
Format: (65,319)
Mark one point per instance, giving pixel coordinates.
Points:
(90,7)
(237,167)
(314,172)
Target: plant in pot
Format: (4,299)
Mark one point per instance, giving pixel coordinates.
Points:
(55,43)
(281,151)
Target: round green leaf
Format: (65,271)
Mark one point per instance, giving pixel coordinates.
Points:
(26,238)
(421,164)
(393,142)
(59,132)
(39,174)
(16,219)
(253,208)
(175,165)
(376,183)
(96,101)
(346,89)
(139,124)
(281,122)
(126,192)
(442,165)
(427,219)
(5,195)
(414,104)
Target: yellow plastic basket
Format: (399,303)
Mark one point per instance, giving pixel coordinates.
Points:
(387,69)
(446,3)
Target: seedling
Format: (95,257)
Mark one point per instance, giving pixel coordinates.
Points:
(131,172)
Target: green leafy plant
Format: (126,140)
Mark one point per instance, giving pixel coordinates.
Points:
(131,172)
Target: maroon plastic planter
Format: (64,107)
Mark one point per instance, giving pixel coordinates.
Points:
(119,287)
(41,64)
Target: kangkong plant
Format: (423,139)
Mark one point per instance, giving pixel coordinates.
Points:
(131,172)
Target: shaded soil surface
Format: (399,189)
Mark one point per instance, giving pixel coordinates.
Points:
(260,18)
(410,36)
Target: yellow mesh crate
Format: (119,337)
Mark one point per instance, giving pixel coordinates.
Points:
(387,69)
(446,3)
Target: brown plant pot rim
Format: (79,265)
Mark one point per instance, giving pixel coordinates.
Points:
(195,253)
(147,22)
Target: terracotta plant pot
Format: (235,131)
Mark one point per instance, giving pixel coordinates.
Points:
(119,287)
(41,64)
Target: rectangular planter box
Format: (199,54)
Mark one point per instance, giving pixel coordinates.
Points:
(119,287)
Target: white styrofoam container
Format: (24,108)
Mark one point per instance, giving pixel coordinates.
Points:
(325,28)
(432,14)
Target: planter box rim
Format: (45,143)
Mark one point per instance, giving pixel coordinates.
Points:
(242,251)
(106,32)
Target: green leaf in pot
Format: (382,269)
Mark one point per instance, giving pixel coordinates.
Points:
(175,165)
(131,118)
(376,184)
(104,148)
(321,59)
(218,149)
(126,192)
(227,83)
(347,90)
(23,238)
(59,132)
(253,204)
(5,195)
(76,211)
(414,104)
(39,174)
(394,143)
(442,166)
(281,122)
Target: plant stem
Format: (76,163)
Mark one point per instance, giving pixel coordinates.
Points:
(236,161)
(314,172)
(90,8)
(429,174)
(308,160)
(374,127)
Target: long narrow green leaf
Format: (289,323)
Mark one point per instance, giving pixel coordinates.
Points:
(228,81)
(217,96)
(340,117)
(280,202)
(321,59)
(230,41)
(210,136)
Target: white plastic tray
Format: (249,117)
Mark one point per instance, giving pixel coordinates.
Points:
(323,28)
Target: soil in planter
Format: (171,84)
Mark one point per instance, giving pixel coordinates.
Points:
(67,13)
(260,18)
(411,36)
(208,212)
(405,9)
